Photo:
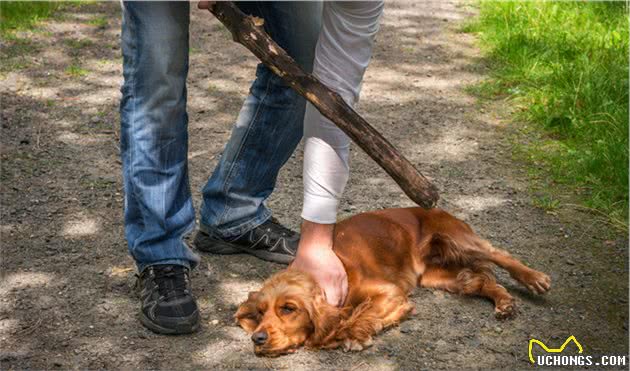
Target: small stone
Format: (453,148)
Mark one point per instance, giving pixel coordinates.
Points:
(406,328)
(498,330)
(214,322)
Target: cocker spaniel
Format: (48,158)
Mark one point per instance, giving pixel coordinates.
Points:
(386,254)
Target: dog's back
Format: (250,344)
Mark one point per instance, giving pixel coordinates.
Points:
(377,244)
(393,244)
(430,248)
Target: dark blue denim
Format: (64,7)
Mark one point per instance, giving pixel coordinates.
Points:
(154,136)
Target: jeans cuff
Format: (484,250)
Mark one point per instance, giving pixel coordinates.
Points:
(185,263)
(239,229)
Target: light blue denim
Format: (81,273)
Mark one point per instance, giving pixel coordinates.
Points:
(154,137)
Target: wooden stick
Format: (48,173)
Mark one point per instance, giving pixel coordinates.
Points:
(249,32)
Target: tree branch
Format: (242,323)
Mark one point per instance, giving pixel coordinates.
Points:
(249,32)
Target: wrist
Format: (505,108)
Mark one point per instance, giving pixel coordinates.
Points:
(315,236)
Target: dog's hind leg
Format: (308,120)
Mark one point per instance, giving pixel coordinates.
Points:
(466,281)
(535,281)
(469,250)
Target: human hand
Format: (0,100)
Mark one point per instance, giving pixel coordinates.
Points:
(205,4)
(316,257)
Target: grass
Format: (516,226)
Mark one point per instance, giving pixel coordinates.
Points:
(75,70)
(99,22)
(77,44)
(13,54)
(546,202)
(563,66)
(20,15)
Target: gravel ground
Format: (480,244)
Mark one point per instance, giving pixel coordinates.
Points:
(66,296)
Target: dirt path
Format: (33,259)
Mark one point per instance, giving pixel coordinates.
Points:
(66,292)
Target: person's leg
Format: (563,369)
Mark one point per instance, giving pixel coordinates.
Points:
(234,218)
(154,137)
(267,130)
(154,145)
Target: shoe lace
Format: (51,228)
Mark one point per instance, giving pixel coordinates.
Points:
(171,281)
(281,229)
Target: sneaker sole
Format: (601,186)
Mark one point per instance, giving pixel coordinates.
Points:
(188,325)
(204,243)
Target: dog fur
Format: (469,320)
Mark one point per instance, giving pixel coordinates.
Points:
(386,254)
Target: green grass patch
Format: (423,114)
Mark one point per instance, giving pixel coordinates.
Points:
(19,15)
(15,54)
(79,43)
(563,66)
(546,202)
(99,22)
(76,71)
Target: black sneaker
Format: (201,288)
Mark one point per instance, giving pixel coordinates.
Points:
(269,241)
(168,306)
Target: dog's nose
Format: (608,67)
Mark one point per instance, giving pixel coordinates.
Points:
(259,338)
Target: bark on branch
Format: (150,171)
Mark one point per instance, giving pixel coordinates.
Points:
(249,32)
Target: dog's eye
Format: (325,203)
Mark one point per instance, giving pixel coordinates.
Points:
(287,309)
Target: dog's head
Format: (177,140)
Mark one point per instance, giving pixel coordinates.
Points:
(289,311)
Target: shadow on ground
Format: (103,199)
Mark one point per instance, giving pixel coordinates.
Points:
(66,296)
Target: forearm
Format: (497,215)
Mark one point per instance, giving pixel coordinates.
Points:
(343,52)
(325,173)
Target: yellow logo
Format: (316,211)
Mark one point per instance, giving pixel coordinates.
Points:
(553,350)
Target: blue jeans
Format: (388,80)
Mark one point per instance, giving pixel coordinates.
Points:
(154,138)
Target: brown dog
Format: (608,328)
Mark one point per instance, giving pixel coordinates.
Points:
(386,254)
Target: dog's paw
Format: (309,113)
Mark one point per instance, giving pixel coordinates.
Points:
(537,282)
(357,345)
(505,309)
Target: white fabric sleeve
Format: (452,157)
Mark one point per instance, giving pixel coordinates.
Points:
(343,51)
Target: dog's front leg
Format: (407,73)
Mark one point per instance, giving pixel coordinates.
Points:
(385,305)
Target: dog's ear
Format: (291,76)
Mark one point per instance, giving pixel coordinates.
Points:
(325,319)
(247,315)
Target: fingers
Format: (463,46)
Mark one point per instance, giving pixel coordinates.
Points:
(344,291)
(330,295)
(205,4)
(337,292)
